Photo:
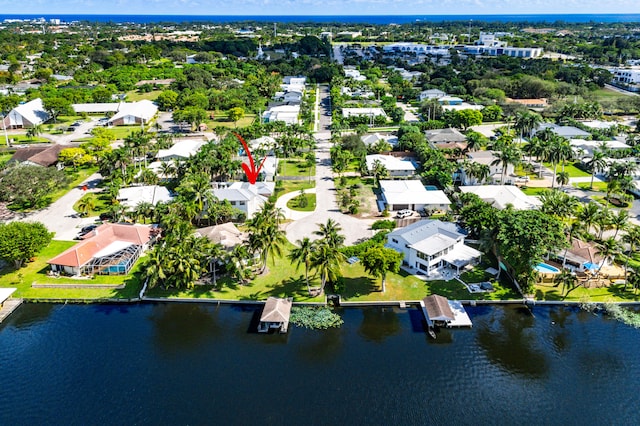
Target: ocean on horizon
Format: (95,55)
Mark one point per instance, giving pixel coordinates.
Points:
(347,19)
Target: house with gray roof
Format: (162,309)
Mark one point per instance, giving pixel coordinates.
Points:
(430,245)
(247,200)
(568,132)
(446,138)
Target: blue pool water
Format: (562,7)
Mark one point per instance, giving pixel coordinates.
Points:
(547,269)
(431,187)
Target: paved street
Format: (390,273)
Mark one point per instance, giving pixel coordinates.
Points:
(353,229)
(60,217)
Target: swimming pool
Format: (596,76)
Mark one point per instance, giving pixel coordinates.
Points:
(431,187)
(546,269)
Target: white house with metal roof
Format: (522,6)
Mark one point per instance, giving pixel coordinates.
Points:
(428,245)
(412,195)
(26,115)
(181,150)
(397,167)
(247,200)
(140,112)
(152,194)
(500,196)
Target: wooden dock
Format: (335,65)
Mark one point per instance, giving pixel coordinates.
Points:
(8,307)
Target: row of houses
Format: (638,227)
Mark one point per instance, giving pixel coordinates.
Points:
(33,113)
(286,103)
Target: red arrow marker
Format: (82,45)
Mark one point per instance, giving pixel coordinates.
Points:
(251,171)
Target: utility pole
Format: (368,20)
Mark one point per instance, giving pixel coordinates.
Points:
(4,127)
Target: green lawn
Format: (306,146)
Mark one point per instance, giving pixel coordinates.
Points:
(103,201)
(24,139)
(613,293)
(286,186)
(533,190)
(4,157)
(597,186)
(294,204)
(221,120)
(36,272)
(606,94)
(134,95)
(295,167)
(571,168)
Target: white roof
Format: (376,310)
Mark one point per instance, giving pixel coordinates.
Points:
(182,148)
(425,229)
(433,244)
(134,195)
(237,194)
(390,162)
(350,112)
(591,145)
(259,187)
(33,111)
(371,139)
(6,293)
(599,124)
(112,248)
(462,106)
(502,195)
(410,192)
(143,109)
(565,131)
(94,108)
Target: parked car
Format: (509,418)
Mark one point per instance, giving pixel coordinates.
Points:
(405,213)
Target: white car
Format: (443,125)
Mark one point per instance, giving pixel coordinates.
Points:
(404,213)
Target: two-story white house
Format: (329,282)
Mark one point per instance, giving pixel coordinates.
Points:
(247,200)
(396,167)
(429,245)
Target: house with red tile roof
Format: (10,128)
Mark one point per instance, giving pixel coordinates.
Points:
(110,249)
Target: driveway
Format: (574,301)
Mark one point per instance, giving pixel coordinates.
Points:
(60,217)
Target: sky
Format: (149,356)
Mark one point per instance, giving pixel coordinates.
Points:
(316,7)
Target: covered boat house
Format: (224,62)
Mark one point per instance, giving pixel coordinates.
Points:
(275,315)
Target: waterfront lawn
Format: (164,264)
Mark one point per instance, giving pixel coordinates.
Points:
(36,272)
(612,293)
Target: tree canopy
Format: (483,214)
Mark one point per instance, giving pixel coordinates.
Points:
(21,241)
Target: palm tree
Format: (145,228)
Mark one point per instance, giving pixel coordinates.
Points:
(154,266)
(327,260)
(603,221)
(562,178)
(620,221)
(236,263)
(144,211)
(526,122)
(597,163)
(330,233)
(508,155)
(87,204)
(560,151)
(540,149)
(558,203)
(568,281)
(588,214)
(609,248)
(303,253)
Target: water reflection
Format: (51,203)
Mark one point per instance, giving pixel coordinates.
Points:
(183,327)
(33,314)
(510,341)
(560,321)
(378,324)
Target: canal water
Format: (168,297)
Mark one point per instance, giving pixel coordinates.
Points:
(202,364)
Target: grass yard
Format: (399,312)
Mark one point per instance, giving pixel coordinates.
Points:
(309,206)
(134,95)
(606,94)
(221,120)
(286,186)
(571,168)
(24,139)
(4,157)
(597,186)
(103,201)
(295,167)
(533,190)
(613,293)
(36,271)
